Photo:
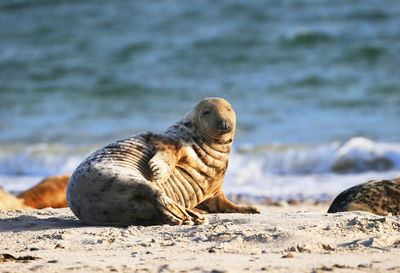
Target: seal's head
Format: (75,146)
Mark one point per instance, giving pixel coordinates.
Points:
(213,118)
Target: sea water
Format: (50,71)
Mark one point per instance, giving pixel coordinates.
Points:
(315,85)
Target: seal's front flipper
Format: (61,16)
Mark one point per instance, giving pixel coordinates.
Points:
(175,214)
(159,167)
(164,160)
(219,203)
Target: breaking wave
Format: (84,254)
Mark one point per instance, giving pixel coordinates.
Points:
(264,170)
(355,156)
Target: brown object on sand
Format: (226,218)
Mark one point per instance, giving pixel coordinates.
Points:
(10,202)
(50,192)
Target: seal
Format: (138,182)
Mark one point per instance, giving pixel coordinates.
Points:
(168,178)
(10,202)
(50,192)
(376,196)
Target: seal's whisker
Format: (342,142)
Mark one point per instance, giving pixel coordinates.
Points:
(240,131)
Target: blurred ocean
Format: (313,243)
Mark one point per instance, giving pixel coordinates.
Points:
(315,85)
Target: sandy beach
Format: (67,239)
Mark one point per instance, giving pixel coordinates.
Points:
(286,238)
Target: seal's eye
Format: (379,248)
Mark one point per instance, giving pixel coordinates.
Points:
(206,112)
(229,109)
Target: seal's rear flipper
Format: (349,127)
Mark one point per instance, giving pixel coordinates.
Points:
(175,214)
(220,203)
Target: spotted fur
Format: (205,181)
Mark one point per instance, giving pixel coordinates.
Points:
(376,196)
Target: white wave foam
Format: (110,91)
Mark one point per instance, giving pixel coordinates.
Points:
(323,171)
(357,155)
(40,159)
(362,154)
(312,186)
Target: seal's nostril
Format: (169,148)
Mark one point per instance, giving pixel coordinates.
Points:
(220,124)
(223,124)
